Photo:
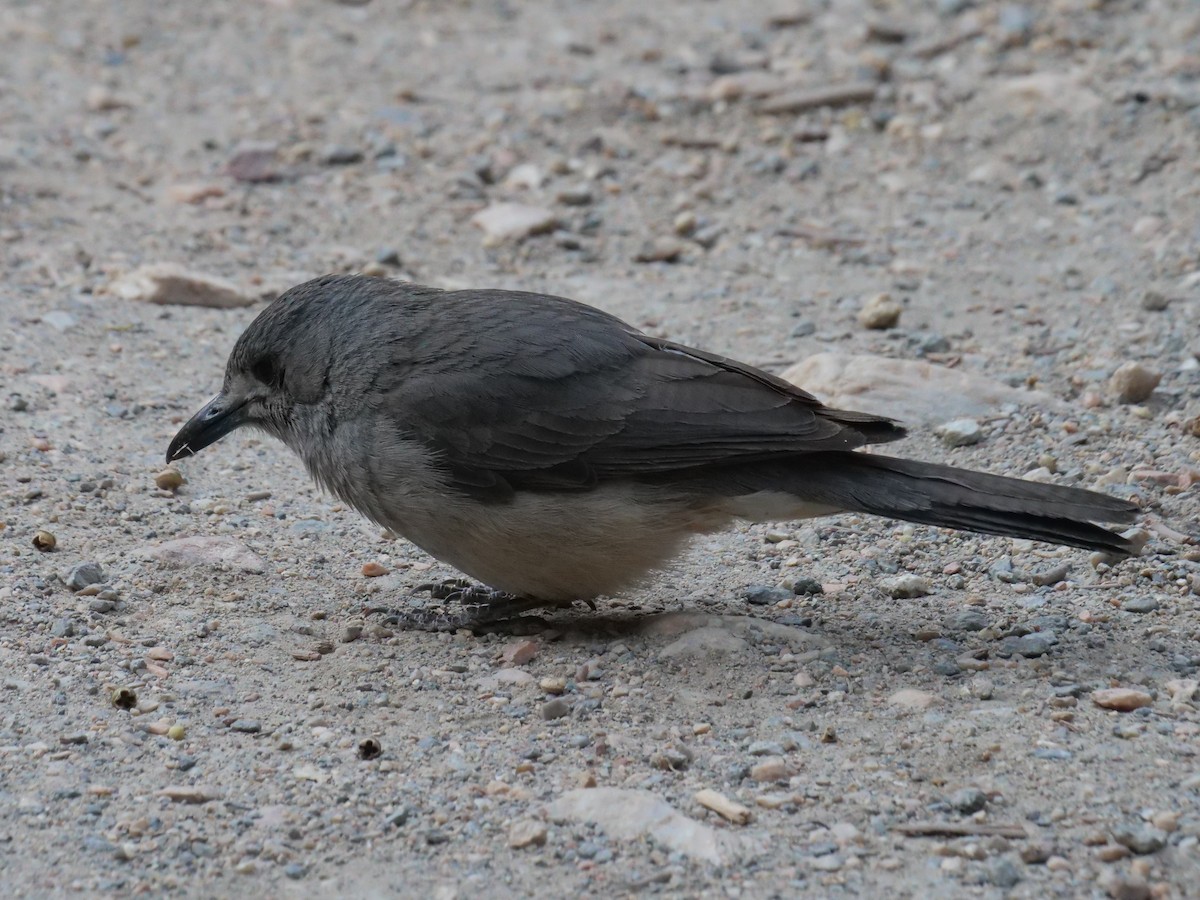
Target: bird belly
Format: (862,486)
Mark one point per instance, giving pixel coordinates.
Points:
(558,547)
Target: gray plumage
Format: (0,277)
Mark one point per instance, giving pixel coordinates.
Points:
(555,452)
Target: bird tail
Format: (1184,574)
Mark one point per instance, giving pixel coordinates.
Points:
(947,497)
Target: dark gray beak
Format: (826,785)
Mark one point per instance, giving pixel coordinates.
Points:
(217,418)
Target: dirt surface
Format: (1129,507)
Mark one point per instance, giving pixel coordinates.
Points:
(1021,180)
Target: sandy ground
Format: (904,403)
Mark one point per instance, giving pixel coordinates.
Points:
(1021,180)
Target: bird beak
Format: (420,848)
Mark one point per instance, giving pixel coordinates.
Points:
(216,419)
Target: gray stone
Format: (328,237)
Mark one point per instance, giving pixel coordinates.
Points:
(340,155)
(1140,605)
(556,708)
(633,814)
(1155,301)
(84,574)
(1005,872)
(1031,645)
(967,620)
(1051,576)
(960,433)
(59,319)
(804,328)
(760,595)
(805,586)
(905,587)
(765,748)
(968,800)
(1133,383)
(579,195)
(503,222)
(1140,837)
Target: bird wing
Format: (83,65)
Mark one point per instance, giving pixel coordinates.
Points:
(525,391)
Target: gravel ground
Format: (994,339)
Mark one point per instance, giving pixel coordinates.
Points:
(881,709)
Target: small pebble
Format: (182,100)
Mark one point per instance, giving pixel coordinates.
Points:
(905,587)
(191,793)
(169,480)
(1113,853)
(911,698)
(575,196)
(339,155)
(1155,301)
(373,570)
(398,817)
(982,688)
(502,222)
(759,595)
(660,250)
(765,748)
(1005,873)
(880,312)
(527,833)
(518,653)
(1051,576)
(1037,854)
(685,223)
(1133,383)
(1167,821)
(1031,646)
(968,800)
(805,586)
(1140,837)
(556,708)
(773,768)
(960,433)
(967,620)
(727,809)
(1121,699)
(1140,605)
(84,574)
(1127,887)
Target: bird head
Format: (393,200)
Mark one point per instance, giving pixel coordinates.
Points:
(279,374)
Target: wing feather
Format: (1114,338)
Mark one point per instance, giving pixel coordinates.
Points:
(526,391)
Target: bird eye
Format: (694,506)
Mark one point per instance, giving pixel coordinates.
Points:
(266,369)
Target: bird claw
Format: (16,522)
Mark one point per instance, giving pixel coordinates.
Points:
(459,590)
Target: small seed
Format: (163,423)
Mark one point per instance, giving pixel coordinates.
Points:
(44,541)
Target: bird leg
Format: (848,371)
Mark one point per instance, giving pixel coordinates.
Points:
(478,607)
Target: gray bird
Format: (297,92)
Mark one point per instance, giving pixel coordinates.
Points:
(556,453)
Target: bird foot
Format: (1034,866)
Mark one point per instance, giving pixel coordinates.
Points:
(479,608)
(459,590)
